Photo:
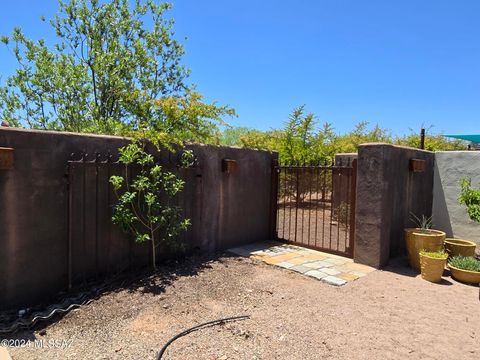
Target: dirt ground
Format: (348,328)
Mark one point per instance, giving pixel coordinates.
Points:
(390,314)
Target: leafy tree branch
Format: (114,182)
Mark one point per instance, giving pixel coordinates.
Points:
(114,65)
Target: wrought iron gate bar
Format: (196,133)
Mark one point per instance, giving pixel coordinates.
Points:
(315,206)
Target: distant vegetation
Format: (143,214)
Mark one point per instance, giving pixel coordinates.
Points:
(115,67)
(301,140)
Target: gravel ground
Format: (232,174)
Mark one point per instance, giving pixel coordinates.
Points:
(389,314)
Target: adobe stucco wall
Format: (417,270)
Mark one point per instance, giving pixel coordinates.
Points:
(345,159)
(448,214)
(226,209)
(387,191)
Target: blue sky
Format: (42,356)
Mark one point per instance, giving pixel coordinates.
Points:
(399,63)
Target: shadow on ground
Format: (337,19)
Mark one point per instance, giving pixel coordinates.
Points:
(400,266)
(132,280)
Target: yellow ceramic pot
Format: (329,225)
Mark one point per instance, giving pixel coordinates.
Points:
(456,247)
(466,276)
(420,239)
(432,268)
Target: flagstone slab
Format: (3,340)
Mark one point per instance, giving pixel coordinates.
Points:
(331,271)
(285,264)
(301,269)
(275,259)
(329,268)
(317,274)
(336,261)
(319,264)
(333,280)
(299,260)
(314,257)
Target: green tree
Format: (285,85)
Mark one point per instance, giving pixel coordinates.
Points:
(110,73)
(263,140)
(107,72)
(298,141)
(145,204)
(231,135)
(186,118)
(302,141)
(348,143)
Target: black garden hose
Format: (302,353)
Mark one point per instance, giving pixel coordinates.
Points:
(198,327)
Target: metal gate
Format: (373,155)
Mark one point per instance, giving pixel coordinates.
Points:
(97,247)
(315,206)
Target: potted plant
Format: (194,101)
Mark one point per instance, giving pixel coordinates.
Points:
(432,264)
(465,269)
(422,237)
(455,247)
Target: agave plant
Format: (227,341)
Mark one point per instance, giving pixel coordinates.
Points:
(423,222)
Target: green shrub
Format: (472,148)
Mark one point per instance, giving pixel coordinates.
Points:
(471,198)
(465,263)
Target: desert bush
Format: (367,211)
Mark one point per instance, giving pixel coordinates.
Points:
(470,197)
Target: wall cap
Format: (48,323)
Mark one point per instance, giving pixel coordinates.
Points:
(101,136)
(62,133)
(476,152)
(395,146)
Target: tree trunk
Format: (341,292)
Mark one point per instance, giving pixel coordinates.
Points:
(154,262)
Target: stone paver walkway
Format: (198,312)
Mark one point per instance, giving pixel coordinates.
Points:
(332,269)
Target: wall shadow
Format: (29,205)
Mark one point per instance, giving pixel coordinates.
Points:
(441,216)
(400,266)
(143,280)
